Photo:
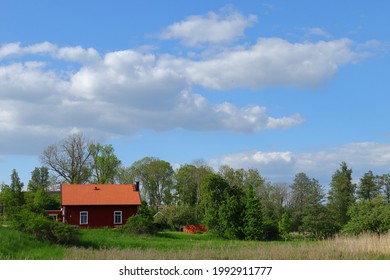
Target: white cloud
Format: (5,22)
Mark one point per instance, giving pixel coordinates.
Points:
(271,62)
(210,28)
(316,31)
(283,165)
(116,93)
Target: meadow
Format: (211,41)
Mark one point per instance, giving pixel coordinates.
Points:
(111,244)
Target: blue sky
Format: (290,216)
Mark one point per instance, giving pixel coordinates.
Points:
(282,86)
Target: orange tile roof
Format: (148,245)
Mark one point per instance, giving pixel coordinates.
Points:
(99,194)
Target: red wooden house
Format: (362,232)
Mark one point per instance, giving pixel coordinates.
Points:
(98,205)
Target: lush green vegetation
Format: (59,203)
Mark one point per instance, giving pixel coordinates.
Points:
(16,245)
(116,244)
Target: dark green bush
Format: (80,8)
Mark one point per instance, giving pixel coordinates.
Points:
(43,228)
(140,224)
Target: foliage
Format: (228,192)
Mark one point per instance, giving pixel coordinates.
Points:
(175,217)
(341,195)
(369,187)
(105,163)
(156,177)
(12,196)
(230,214)
(139,224)
(213,194)
(43,228)
(253,216)
(384,181)
(306,204)
(369,216)
(284,226)
(142,222)
(39,179)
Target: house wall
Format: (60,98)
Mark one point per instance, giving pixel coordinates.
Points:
(98,215)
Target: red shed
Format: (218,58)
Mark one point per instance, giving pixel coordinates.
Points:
(99,205)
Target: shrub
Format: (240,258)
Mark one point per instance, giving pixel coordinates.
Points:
(140,224)
(42,228)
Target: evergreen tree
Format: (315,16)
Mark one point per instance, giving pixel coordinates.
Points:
(369,186)
(16,189)
(307,204)
(341,195)
(253,217)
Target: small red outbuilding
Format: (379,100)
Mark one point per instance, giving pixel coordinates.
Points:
(99,205)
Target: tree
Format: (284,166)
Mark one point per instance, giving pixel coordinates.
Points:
(213,195)
(370,215)
(369,186)
(185,185)
(385,183)
(156,177)
(39,179)
(284,226)
(230,213)
(306,204)
(253,216)
(124,175)
(16,188)
(12,196)
(341,195)
(70,160)
(105,164)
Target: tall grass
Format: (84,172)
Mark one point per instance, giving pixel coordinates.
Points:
(15,245)
(197,247)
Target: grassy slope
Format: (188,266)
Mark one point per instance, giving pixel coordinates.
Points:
(15,245)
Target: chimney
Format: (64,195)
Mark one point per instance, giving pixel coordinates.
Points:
(136,186)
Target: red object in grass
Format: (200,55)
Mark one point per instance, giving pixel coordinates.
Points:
(194,229)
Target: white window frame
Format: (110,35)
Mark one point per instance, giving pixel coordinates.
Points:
(115,216)
(84,214)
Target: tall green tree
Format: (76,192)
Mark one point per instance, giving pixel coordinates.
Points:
(306,203)
(17,188)
(231,213)
(39,179)
(253,216)
(12,196)
(186,185)
(213,195)
(369,186)
(105,163)
(341,195)
(156,177)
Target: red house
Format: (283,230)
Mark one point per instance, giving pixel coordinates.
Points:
(98,205)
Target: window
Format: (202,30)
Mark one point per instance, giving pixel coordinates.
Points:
(84,218)
(117,217)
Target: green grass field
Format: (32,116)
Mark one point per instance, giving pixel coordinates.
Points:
(111,244)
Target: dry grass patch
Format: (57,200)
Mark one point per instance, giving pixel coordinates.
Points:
(364,247)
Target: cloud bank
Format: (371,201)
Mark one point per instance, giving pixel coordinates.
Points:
(47,91)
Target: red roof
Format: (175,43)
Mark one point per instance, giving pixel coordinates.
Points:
(99,194)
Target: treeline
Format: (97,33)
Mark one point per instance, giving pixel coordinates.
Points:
(235,203)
